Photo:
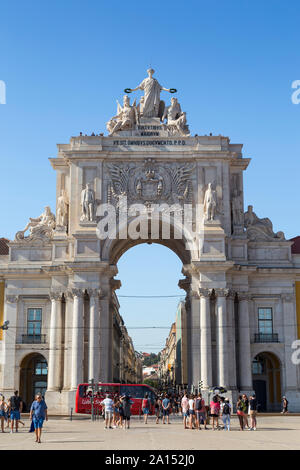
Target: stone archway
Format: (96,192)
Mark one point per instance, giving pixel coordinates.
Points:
(33,377)
(266,373)
(112,251)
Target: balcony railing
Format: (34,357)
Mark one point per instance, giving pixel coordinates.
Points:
(33,339)
(266,338)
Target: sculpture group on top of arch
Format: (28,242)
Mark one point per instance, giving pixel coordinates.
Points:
(150,106)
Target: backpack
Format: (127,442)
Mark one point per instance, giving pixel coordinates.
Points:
(198,404)
(226,409)
(15,403)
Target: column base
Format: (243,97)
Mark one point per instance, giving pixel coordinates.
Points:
(60,403)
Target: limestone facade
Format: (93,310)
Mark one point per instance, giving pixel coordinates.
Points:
(239,275)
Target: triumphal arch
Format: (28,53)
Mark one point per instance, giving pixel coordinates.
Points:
(150,181)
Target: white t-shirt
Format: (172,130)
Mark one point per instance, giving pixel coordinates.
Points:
(108,403)
(191,404)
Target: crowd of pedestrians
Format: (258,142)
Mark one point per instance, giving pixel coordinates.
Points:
(10,413)
(196,413)
(116,411)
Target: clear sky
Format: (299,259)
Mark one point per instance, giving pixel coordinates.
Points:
(65,63)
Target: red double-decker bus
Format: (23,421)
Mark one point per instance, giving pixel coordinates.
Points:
(135,391)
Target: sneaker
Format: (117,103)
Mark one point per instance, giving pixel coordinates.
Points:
(105,427)
(254,429)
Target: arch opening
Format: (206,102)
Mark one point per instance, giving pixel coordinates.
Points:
(266,373)
(33,378)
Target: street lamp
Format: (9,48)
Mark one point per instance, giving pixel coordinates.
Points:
(5,325)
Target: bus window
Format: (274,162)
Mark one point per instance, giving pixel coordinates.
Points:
(82,391)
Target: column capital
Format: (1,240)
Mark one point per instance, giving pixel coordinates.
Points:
(97,293)
(222,292)
(287,297)
(12,299)
(244,296)
(75,292)
(55,295)
(205,292)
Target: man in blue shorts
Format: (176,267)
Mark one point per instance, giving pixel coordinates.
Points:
(166,404)
(38,413)
(15,407)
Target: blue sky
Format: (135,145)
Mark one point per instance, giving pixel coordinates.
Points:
(233,63)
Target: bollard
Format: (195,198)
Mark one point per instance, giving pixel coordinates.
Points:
(71,417)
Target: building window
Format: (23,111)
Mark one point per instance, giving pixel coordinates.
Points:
(34,322)
(258,366)
(265,321)
(41,368)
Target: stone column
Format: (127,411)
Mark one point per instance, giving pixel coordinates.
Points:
(94,335)
(290,335)
(68,340)
(77,339)
(222,343)
(54,365)
(194,338)
(245,363)
(105,341)
(205,338)
(231,338)
(9,379)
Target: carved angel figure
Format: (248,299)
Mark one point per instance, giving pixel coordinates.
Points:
(126,117)
(260,229)
(40,228)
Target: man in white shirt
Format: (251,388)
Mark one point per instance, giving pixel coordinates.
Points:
(108,409)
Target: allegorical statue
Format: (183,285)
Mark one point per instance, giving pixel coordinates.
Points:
(87,204)
(126,117)
(176,119)
(210,203)
(40,228)
(62,209)
(151,99)
(237,208)
(260,229)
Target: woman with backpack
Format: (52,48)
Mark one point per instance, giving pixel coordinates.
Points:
(146,408)
(226,412)
(200,412)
